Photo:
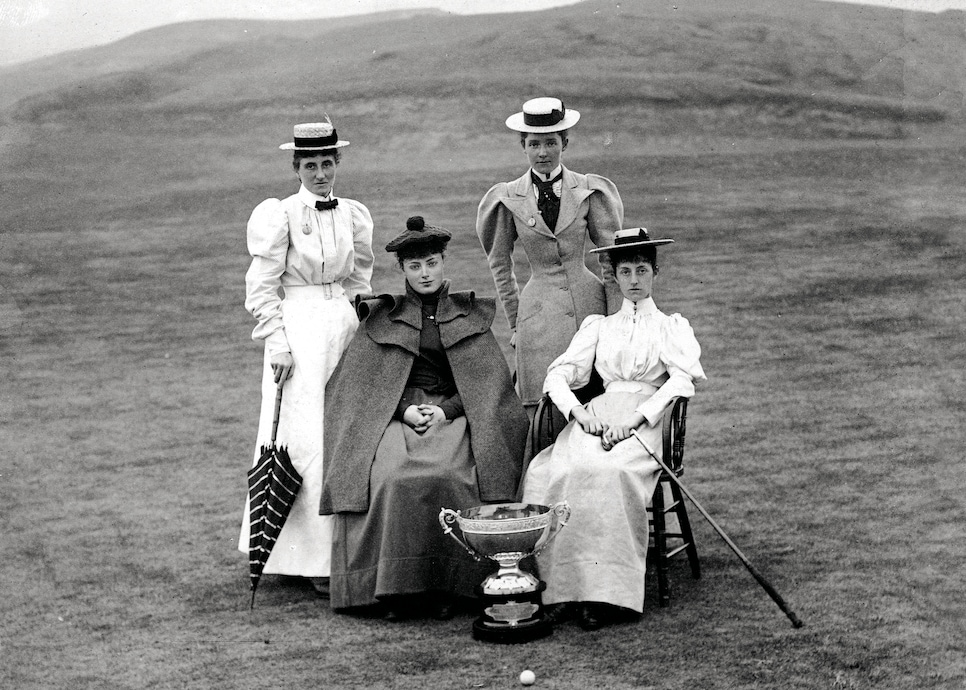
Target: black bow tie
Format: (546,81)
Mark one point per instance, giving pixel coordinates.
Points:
(326,205)
(547,202)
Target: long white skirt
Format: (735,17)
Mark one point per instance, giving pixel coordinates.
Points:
(600,555)
(318,331)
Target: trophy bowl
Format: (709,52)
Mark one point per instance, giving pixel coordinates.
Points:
(507,533)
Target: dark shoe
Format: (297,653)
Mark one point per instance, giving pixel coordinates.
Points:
(589,617)
(320,585)
(555,614)
(397,608)
(444,609)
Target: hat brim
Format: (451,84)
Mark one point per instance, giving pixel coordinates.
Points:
(290,146)
(516,123)
(631,245)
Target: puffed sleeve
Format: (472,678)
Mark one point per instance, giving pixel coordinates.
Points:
(605,217)
(680,353)
(498,233)
(268,244)
(573,368)
(360,279)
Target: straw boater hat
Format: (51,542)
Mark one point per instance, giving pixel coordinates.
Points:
(314,136)
(631,237)
(543,116)
(417,233)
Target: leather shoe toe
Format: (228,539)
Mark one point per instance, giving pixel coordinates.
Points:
(588,618)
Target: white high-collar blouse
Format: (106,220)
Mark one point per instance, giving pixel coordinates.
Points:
(638,345)
(292,244)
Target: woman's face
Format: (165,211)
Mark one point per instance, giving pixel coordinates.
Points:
(543,151)
(318,173)
(635,278)
(424,275)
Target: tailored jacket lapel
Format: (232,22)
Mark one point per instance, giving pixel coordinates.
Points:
(523,204)
(572,195)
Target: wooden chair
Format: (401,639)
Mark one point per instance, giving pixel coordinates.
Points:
(548,423)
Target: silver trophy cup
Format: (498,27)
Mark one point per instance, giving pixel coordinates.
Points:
(507,533)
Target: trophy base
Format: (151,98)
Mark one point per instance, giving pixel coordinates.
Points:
(512,618)
(516,635)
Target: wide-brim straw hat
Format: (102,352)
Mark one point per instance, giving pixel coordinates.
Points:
(632,237)
(314,136)
(543,116)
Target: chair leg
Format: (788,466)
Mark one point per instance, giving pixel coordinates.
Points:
(685,524)
(660,544)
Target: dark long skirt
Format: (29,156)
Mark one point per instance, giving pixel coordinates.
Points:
(398,547)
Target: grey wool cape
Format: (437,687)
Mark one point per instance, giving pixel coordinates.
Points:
(366,386)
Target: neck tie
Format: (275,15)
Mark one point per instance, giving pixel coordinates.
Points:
(547,201)
(326,205)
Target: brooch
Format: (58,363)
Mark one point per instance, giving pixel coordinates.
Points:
(532,222)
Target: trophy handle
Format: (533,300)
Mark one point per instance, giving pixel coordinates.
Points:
(561,514)
(447,517)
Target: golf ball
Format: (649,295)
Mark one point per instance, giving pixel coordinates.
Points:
(528,677)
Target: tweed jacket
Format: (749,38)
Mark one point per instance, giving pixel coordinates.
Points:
(561,291)
(363,391)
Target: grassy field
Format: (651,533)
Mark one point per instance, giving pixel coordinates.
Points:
(820,257)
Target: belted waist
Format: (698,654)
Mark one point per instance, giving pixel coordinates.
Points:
(313,292)
(631,387)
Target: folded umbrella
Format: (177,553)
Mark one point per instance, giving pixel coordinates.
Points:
(273,484)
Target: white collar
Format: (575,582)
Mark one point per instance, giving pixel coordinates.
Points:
(309,198)
(547,178)
(645,306)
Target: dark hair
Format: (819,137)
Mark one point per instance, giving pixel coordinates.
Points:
(297,156)
(564,137)
(647,254)
(420,250)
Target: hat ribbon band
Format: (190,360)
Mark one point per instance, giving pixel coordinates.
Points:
(631,240)
(317,142)
(544,119)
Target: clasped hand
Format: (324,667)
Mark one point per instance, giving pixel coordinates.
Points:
(422,417)
(610,434)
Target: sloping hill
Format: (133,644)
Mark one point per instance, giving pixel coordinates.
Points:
(206,104)
(795,57)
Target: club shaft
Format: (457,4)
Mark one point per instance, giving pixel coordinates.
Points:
(765,584)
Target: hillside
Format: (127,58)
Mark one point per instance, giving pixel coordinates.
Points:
(429,91)
(858,62)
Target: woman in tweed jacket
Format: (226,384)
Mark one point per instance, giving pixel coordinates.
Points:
(552,211)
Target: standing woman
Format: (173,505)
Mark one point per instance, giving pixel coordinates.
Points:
(316,250)
(552,211)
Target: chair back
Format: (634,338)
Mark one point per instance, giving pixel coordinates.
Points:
(674,426)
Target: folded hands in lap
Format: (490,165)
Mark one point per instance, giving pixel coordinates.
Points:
(610,434)
(422,417)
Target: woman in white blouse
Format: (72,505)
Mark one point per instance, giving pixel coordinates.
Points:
(316,250)
(645,359)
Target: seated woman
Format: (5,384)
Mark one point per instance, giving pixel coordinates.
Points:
(645,358)
(422,415)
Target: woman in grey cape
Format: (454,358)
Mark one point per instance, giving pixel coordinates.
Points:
(421,414)
(552,211)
